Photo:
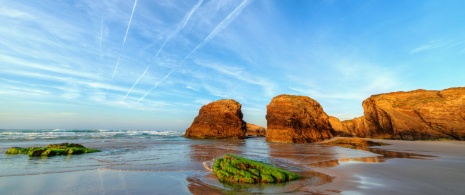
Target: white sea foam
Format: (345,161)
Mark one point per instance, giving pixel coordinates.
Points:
(84,134)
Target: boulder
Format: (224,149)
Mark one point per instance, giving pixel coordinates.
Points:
(221,119)
(419,114)
(255,130)
(296,119)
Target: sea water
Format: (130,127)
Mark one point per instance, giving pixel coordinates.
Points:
(162,154)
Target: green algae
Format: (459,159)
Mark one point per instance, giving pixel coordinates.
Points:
(232,168)
(52,150)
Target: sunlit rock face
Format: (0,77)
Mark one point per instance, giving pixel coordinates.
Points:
(296,119)
(419,114)
(221,119)
(255,130)
(339,128)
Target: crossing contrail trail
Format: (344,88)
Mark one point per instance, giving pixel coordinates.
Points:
(155,86)
(134,84)
(225,22)
(219,27)
(179,27)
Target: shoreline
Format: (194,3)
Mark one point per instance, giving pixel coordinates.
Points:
(404,167)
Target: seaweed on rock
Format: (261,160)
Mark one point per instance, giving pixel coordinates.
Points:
(232,168)
(52,150)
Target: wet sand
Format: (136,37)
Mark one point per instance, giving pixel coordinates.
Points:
(404,167)
(420,167)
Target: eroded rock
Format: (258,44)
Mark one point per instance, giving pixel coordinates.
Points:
(221,119)
(296,119)
(419,114)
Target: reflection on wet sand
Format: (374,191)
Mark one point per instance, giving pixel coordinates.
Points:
(299,158)
(292,157)
(211,149)
(384,155)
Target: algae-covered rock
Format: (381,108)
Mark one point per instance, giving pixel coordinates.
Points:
(232,168)
(52,150)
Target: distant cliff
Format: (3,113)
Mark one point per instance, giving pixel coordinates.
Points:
(255,130)
(413,115)
(221,119)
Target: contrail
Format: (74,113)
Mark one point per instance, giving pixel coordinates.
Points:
(182,25)
(124,40)
(101,32)
(219,27)
(129,24)
(188,16)
(179,27)
(116,67)
(134,84)
(155,86)
(225,22)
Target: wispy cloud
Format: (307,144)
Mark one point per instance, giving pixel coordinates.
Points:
(14,13)
(240,74)
(426,47)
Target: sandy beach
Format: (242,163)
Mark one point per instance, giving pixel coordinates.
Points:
(174,166)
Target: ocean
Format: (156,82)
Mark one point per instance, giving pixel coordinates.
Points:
(130,159)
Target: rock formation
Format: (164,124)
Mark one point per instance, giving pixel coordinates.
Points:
(255,130)
(339,128)
(221,119)
(419,114)
(297,119)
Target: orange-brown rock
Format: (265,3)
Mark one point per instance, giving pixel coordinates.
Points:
(255,130)
(356,127)
(339,128)
(221,119)
(413,115)
(297,119)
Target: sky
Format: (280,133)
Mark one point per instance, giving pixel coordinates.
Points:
(151,65)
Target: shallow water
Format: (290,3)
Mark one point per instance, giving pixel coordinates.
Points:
(150,153)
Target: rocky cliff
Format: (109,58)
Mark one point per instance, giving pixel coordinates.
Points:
(297,119)
(419,114)
(221,119)
(255,130)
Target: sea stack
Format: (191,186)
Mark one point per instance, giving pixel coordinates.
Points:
(221,119)
(416,115)
(296,119)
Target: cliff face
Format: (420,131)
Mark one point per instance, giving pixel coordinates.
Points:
(255,130)
(297,119)
(221,119)
(419,114)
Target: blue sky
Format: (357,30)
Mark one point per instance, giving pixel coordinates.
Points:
(150,65)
